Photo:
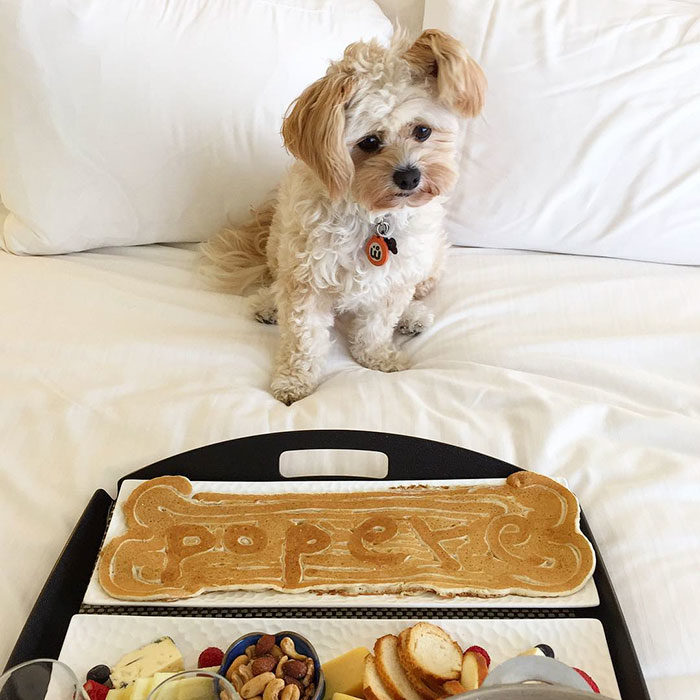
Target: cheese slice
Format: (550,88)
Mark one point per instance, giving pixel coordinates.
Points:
(119,693)
(140,688)
(156,657)
(343,696)
(194,689)
(344,673)
(160,677)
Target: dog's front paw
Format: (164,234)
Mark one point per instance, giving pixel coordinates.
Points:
(263,306)
(268,317)
(415,319)
(384,360)
(289,388)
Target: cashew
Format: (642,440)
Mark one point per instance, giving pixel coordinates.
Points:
(309,691)
(290,692)
(250,651)
(278,671)
(245,672)
(309,672)
(273,689)
(236,680)
(276,652)
(242,659)
(256,697)
(256,685)
(287,646)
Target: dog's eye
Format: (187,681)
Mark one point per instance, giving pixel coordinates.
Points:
(422,133)
(370,144)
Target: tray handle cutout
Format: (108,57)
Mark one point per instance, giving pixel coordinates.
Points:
(366,464)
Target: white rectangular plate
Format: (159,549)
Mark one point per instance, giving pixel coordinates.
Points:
(587,597)
(103,639)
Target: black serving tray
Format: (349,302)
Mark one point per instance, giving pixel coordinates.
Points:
(257,459)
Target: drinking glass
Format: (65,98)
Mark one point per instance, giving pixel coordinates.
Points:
(41,679)
(193,685)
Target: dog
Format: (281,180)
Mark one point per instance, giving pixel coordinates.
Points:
(356,225)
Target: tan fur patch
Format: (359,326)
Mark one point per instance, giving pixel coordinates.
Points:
(314,131)
(460,80)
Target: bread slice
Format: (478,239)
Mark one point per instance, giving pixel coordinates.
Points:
(386,658)
(423,689)
(372,686)
(453,688)
(431,654)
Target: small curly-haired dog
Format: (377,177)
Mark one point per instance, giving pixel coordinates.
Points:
(357,223)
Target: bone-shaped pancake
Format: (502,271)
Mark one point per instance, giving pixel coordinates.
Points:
(521,537)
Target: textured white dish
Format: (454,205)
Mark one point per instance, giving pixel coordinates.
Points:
(97,639)
(587,597)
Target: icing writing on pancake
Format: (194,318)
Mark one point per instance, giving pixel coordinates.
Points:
(301,539)
(376,530)
(521,537)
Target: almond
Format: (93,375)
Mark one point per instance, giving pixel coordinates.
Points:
(264,645)
(263,664)
(293,681)
(295,669)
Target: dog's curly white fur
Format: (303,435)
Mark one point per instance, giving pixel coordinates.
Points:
(378,115)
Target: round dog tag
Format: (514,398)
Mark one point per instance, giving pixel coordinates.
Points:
(377,250)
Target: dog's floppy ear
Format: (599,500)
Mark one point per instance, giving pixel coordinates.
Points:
(460,81)
(314,131)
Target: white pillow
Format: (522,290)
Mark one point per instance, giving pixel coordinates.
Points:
(590,139)
(407,14)
(134,122)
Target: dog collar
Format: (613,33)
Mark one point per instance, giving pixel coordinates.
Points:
(379,243)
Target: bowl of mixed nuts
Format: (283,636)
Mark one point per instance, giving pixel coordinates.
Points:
(282,666)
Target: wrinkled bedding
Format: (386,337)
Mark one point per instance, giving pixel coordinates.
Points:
(582,368)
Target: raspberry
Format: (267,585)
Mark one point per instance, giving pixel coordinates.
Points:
(483,652)
(588,679)
(95,690)
(213,656)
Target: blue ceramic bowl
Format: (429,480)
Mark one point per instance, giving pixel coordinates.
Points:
(301,644)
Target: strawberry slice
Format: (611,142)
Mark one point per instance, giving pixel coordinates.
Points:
(483,652)
(588,679)
(95,690)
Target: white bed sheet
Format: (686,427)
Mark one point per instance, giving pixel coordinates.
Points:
(583,368)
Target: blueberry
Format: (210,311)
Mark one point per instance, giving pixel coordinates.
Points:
(546,650)
(99,674)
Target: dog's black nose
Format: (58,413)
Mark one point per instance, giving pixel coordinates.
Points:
(407,178)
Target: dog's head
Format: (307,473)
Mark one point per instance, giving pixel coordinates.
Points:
(380,126)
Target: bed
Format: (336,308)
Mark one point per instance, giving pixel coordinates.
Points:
(572,361)
(577,367)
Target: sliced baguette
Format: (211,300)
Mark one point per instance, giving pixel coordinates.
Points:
(372,686)
(386,659)
(453,688)
(424,690)
(431,654)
